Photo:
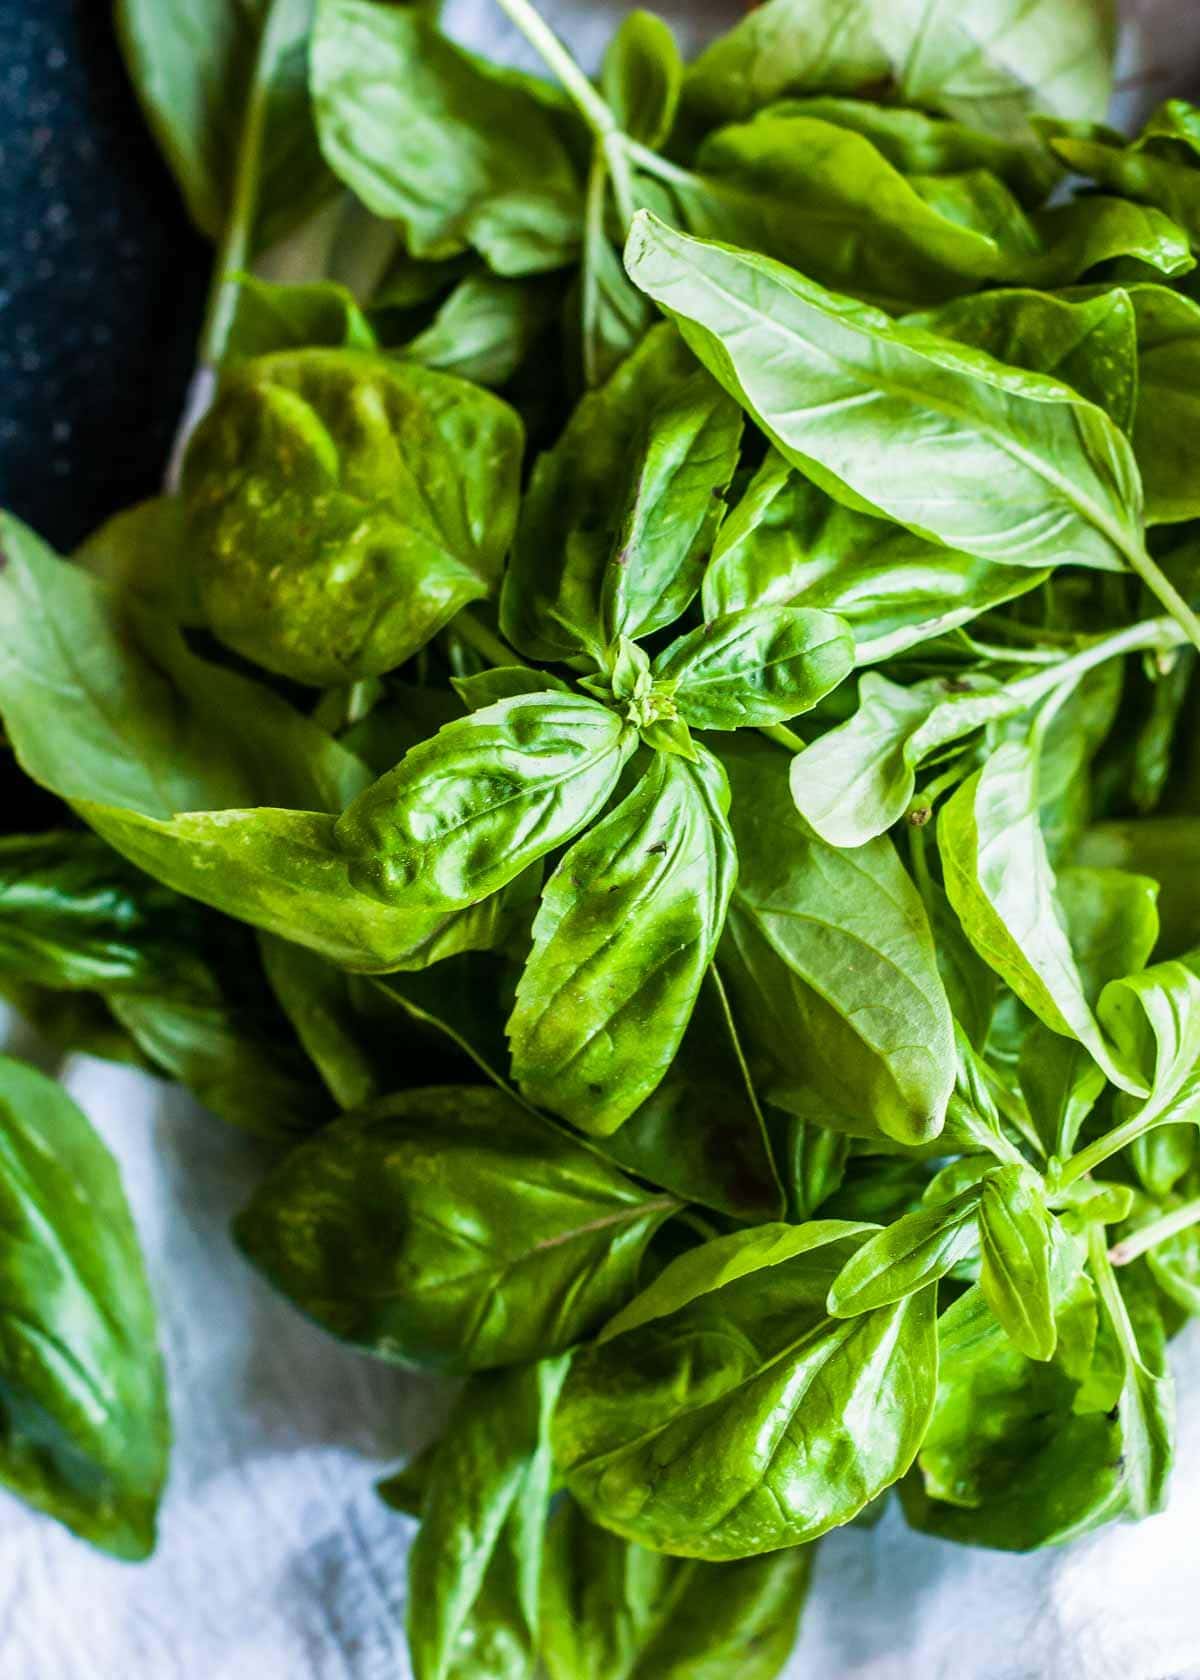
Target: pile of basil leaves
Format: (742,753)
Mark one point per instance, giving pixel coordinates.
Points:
(760,1114)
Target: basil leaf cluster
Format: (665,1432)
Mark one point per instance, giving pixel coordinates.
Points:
(647,749)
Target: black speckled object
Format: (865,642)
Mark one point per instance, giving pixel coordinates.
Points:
(102,278)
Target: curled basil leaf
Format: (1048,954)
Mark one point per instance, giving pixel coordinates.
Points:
(343,508)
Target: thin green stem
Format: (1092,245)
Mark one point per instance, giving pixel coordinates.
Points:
(235,251)
(1155,633)
(622,179)
(1160,585)
(1110,1293)
(1170,1225)
(486,642)
(594,110)
(1013,655)
(654,164)
(1095,1155)
(784,737)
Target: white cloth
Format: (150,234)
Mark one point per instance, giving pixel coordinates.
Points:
(277,1561)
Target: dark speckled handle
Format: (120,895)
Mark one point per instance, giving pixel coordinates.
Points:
(102,279)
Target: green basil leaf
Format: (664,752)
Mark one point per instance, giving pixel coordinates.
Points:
(1028,472)
(1046,1468)
(1091,345)
(451,1228)
(464,813)
(786,541)
(224,86)
(354,1053)
(285,872)
(992,62)
(619,518)
(1147,1398)
(1161,167)
(343,508)
(474,1568)
(1163,848)
(504,682)
(1112,925)
(918,143)
(109,706)
(268,317)
(136,553)
(615,1611)
(700,1134)
(755,667)
(485,328)
(642,77)
(461,154)
(1153,1019)
(1000,882)
(1014,1236)
(1168,339)
(1164,1156)
(786,46)
(910,1255)
(84,1402)
(813,1159)
(831,967)
(713,1419)
(628,924)
(855,781)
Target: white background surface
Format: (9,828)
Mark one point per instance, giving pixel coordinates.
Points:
(277,1561)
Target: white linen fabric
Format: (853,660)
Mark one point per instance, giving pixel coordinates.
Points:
(278,1562)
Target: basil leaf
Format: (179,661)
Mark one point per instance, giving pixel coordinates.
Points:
(504,682)
(1153,1019)
(1028,473)
(343,508)
(473,1571)
(460,153)
(82,1392)
(1047,1467)
(831,968)
(1146,1405)
(1168,341)
(785,46)
(615,1611)
(1112,926)
(919,143)
(467,811)
(628,924)
(367,1229)
(715,1413)
(108,705)
(755,667)
(224,87)
(991,62)
(136,553)
(1159,167)
(1162,848)
(484,329)
(1091,345)
(1014,1236)
(642,77)
(855,781)
(908,1256)
(701,1134)
(990,841)
(285,872)
(786,541)
(619,517)
(268,317)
